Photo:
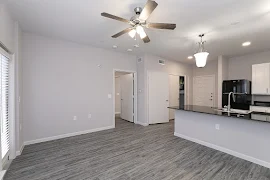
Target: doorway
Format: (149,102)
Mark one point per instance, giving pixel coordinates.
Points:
(204,91)
(125,96)
(164,90)
(177,94)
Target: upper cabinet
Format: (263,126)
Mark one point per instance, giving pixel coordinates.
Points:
(261,79)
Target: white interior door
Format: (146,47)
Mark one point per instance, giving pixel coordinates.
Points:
(158,97)
(174,94)
(203,91)
(126,83)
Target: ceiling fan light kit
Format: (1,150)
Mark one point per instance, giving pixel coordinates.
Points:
(138,22)
(201,56)
(132,33)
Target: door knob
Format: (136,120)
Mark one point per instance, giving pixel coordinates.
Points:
(211,99)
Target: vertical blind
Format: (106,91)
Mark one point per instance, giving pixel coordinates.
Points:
(4,96)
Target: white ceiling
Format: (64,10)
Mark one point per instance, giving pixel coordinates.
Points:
(227,23)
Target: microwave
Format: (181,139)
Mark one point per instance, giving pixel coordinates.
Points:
(237,86)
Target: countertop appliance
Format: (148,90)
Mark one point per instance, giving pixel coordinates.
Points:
(242,90)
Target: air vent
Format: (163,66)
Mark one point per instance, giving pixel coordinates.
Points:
(139,60)
(161,62)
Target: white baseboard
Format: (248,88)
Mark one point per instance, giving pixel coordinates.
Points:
(66,135)
(2,174)
(117,113)
(18,153)
(225,150)
(143,124)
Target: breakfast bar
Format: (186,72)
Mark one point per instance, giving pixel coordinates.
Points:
(240,135)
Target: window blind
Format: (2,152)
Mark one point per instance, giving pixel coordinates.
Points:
(4,105)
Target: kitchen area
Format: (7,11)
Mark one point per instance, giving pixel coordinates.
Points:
(237,121)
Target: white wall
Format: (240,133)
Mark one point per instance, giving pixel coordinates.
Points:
(241,68)
(222,75)
(211,68)
(141,81)
(7,28)
(117,95)
(62,80)
(150,63)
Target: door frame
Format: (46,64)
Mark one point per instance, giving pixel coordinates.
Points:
(214,85)
(135,104)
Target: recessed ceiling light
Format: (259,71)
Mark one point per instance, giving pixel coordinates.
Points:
(114,46)
(129,50)
(248,43)
(190,57)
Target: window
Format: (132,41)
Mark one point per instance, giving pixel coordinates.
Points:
(4,105)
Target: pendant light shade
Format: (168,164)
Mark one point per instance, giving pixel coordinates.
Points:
(201,56)
(201,59)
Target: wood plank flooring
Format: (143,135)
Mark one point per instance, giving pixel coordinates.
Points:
(130,152)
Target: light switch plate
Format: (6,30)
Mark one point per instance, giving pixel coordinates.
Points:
(109,96)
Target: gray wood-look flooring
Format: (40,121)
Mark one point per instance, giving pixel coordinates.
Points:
(130,152)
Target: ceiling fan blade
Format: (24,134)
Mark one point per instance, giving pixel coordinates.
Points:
(148,9)
(146,39)
(161,26)
(122,32)
(114,17)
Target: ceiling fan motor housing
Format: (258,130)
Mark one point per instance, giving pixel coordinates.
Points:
(135,20)
(138,10)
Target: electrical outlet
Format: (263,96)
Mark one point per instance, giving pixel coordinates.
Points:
(217,126)
(75,118)
(89,116)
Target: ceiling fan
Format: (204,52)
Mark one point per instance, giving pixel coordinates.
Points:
(139,21)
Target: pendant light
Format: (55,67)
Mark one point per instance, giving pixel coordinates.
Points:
(201,56)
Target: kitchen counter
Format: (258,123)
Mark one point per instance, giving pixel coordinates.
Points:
(245,137)
(256,116)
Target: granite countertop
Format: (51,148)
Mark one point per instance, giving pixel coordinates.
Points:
(256,116)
